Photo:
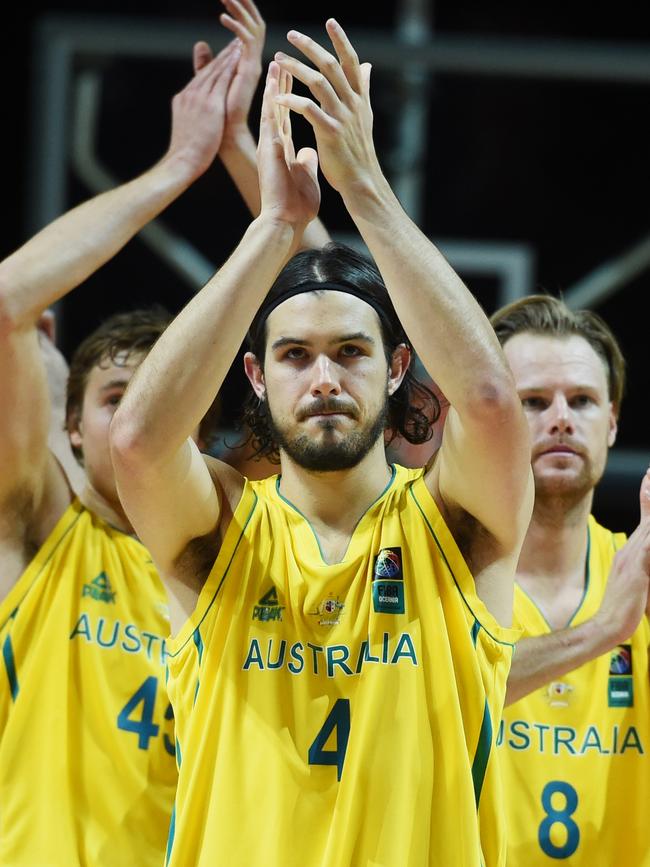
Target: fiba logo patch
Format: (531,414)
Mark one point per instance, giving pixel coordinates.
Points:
(620,686)
(388,564)
(388,582)
(620,662)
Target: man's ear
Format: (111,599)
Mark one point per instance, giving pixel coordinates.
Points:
(255,374)
(399,364)
(613,425)
(73,426)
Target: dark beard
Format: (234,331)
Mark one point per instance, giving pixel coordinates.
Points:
(331,457)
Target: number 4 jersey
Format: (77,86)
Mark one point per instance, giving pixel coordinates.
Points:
(338,715)
(87,768)
(575,752)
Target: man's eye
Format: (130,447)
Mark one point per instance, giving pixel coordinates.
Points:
(532,403)
(581,400)
(114,399)
(295,353)
(350,351)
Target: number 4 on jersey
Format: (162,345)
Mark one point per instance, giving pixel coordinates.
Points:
(144,726)
(338,720)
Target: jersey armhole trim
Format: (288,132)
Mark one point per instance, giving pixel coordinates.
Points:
(500,634)
(209,592)
(21,588)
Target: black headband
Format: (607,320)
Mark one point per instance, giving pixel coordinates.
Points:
(315,285)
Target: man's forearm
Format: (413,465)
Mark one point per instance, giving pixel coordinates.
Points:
(445,323)
(540,659)
(70,249)
(177,382)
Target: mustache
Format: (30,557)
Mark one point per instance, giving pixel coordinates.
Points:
(321,405)
(567,442)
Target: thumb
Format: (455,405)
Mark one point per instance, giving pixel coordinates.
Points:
(201,55)
(644,496)
(307,159)
(365,69)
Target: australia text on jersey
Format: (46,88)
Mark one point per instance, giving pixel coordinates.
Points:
(272,654)
(128,637)
(567,740)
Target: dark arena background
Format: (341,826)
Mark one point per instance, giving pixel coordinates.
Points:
(513,133)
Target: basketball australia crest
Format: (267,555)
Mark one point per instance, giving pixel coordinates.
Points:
(559,694)
(329,611)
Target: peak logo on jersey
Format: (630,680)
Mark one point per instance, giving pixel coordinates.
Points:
(99,589)
(268,607)
(559,694)
(388,565)
(329,611)
(388,582)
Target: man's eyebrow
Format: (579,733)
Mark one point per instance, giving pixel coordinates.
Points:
(544,388)
(345,338)
(114,383)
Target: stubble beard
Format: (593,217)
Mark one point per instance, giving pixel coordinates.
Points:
(323,456)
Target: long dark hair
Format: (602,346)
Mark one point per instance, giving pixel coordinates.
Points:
(412,409)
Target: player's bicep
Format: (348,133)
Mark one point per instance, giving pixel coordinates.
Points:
(24,411)
(169,503)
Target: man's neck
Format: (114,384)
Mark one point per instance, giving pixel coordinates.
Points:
(336,500)
(110,512)
(551,566)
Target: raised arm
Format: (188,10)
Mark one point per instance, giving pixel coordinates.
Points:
(169,493)
(483,468)
(67,251)
(238,150)
(539,660)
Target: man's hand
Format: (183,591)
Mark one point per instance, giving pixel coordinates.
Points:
(340,113)
(198,112)
(244,20)
(288,181)
(626,594)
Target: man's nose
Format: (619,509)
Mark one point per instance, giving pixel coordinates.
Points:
(325,378)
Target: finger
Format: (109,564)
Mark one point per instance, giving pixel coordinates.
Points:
(366,69)
(317,83)
(249,8)
(304,172)
(223,75)
(201,55)
(644,495)
(326,63)
(239,15)
(307,158)
(348,57)
(312,113)
(240,30)
(205,76)
(284,115)
(268,125)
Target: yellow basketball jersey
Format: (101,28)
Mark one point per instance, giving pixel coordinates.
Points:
(338,715)
(575,753)
(87,768)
